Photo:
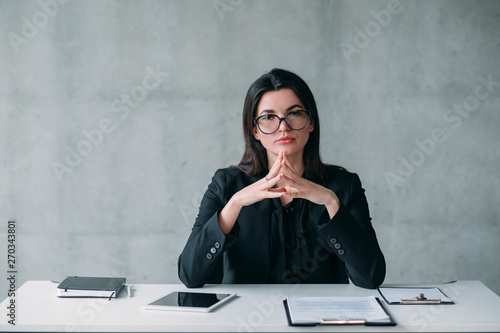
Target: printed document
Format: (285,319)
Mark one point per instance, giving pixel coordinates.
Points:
(316,310)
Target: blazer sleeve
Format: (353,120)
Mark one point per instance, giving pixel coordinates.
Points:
(351,236)
(201,260)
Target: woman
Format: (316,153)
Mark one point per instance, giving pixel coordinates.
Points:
(281,215)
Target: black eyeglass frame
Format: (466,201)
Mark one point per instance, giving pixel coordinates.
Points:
(308,116)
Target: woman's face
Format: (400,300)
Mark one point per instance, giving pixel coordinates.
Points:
(281,103)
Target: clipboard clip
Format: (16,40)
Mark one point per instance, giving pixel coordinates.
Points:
(342,321)
(421,299)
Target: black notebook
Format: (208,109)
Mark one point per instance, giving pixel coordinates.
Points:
(84,286)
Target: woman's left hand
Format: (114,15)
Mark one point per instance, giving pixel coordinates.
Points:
(298,187)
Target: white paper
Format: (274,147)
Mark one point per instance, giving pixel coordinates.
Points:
(395,295)
(313,310)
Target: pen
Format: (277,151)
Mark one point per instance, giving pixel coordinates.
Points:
(130,290)
(343,321)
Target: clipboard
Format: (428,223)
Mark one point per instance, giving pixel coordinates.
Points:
(414,296)
(342,321)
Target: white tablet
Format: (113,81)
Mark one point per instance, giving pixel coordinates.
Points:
(189,301)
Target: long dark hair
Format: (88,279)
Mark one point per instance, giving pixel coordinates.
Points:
(254,160)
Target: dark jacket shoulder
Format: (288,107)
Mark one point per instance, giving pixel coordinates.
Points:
(337,174)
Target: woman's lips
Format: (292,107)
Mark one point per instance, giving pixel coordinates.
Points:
(285,140)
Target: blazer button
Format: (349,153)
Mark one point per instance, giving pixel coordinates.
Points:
(213,250)
(333,240)
(340,252)
(209,256)
(337,246)
(217,245)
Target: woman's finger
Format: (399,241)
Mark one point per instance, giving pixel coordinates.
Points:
(275,169)
(288,163)
(273,181)
(290,173)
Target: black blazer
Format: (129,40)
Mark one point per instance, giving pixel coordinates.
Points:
(344,247)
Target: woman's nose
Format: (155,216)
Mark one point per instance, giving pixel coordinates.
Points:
(283,127)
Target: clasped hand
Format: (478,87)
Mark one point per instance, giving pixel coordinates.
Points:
(284,181)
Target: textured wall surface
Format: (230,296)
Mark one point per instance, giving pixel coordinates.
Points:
(114,115)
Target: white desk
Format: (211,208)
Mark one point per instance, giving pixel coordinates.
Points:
(258,308)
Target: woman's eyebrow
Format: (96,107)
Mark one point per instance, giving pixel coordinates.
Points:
(294,106)
(267,111)
(290,108)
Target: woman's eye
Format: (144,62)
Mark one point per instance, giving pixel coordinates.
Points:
(294,113)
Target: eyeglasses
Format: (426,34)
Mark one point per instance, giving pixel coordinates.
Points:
(270,123)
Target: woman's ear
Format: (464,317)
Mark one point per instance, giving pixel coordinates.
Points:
(311,125)
(256,133)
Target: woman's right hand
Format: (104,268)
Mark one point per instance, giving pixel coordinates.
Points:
(263,188)
(260,190)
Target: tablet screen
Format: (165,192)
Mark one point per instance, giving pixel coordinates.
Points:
(190,301)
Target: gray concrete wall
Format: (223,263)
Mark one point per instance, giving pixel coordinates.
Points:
(114,115)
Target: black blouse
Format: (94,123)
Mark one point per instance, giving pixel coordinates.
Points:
(291,241)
